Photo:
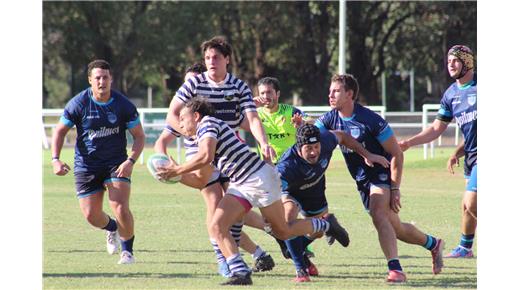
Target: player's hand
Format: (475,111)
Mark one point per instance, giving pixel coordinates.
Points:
(374,158)
(125,169)
(60,168)
(169,171)
(404,145)
(268,153)
(395,200)
(260,101)
(297,120)
(452,161)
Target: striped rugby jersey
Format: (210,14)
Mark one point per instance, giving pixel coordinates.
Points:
(231,99)
(232,157)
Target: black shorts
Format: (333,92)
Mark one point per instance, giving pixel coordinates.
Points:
(470,160)
(309,204)
(90,181)
(377,176)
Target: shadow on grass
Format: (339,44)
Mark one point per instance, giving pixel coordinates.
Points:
(127,275)
(137,251)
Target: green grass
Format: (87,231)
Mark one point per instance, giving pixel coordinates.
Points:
(173,252)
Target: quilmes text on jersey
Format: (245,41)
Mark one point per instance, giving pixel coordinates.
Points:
(465,118)
(102,132)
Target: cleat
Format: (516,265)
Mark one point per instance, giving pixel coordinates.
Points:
(302,276)
(330,240)
(223,269)
(337,231)
(239,278)
(112,242)
(460,252)
(395,276)
(311,268)
(126,258)
(263,263)
(437,262)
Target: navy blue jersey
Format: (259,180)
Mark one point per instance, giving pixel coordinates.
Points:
(301,179)
(367,127)
(232,157)
(231,98)
(101,128)
(461,103)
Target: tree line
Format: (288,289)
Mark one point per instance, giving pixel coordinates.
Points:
(150,43)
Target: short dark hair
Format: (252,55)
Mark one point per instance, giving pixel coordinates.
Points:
(219,43)
(196,68)
(201,106)
(273,82)
(99,63)
(348,81)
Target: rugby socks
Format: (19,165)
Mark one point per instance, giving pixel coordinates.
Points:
(431,242)
(466,241)
(128,245)
(237,265)
(235,231)
(218,252)
(111,226)
(319,225)
(393,264)
(296,248)
(259,252)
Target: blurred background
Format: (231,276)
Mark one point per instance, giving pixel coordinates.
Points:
(395,49)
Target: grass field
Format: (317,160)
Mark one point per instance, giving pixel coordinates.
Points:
(173,252)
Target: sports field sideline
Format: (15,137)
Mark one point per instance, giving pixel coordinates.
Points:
(173,252)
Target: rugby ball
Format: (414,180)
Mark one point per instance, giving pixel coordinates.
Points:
(160,160)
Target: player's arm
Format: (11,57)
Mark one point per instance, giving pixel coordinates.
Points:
(161,144)
(427,135)
(172,118)
(351,143)
(454,158)
(391,146)
(206,154)
(58,137)
(125,168)
(257,129)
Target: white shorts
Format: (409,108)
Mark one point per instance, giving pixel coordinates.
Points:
(261,188)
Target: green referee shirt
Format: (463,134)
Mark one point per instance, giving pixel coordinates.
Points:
(281,134)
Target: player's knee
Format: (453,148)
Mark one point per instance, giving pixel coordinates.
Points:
(378,215)
(282,233)
(470,209)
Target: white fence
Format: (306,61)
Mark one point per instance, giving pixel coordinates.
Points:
(313,111)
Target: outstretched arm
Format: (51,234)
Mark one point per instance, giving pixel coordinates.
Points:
(348,141)
(427,135)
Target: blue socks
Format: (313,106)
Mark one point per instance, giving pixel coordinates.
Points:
(393,264)
(128,245)
(111,226)
(431,242)
(466,241)
(296,247)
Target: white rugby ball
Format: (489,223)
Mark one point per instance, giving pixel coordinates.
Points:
(160,160)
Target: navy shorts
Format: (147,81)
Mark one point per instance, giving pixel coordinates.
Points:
(377,176)
(90,181)
(309,204)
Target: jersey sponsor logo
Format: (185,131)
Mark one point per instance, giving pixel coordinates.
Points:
(355,132)
(465,118)
(102,132)
(112,118)
(383,176)
(472,99)
(309,185)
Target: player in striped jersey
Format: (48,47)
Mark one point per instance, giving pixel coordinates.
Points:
(252,183)
(233,102)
